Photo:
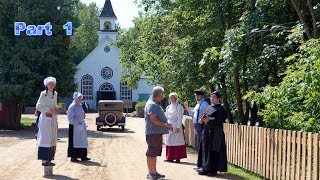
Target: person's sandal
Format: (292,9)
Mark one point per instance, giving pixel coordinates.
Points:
(48,163)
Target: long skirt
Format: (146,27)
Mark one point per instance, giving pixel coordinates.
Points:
(75,152)
(46,153)
(176,152)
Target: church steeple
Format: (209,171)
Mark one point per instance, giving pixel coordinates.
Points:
(107,21)
(107,10)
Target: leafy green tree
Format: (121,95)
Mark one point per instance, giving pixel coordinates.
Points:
(294,104)
(236,46)
(85,37)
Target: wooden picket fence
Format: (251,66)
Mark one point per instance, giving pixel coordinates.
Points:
(271,153)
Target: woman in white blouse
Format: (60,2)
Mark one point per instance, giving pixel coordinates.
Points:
(175,143)
(48,125)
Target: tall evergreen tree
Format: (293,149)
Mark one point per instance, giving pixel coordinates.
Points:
(27,60)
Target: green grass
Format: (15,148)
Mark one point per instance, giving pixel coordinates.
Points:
(232,169)
(243,173)
(25,121)
(191,150)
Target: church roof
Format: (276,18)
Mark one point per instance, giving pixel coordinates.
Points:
(107,10)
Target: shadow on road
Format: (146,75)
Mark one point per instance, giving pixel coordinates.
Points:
(57,176)
(63,133)
(116,130)
(187,163)
(90,163)
(21,134)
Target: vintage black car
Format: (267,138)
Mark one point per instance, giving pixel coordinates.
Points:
(110,114)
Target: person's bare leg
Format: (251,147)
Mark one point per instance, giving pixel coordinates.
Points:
(155,165)
(151,162)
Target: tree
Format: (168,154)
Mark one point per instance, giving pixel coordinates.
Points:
(294,104)
(236,46)
(85,37)
(27,60)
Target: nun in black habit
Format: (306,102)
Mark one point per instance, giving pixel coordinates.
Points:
(214,155)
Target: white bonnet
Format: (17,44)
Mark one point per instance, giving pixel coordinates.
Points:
(49,79)
(173,94)
(76,95)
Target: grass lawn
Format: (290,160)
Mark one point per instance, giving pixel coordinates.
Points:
(25,121)
(232,169)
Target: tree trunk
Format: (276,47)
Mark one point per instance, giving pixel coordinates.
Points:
(302,18)
(238,95)
(254,114)
(12,115)
(314,19)
(225,99)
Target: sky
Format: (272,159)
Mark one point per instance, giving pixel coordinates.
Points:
(125,10)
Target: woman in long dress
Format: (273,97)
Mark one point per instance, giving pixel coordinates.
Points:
(78,142)
(214,151)
(48,125)
(175,143)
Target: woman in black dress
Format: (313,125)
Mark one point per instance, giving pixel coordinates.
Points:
(214,155)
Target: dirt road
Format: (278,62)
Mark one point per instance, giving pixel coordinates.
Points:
(114,155)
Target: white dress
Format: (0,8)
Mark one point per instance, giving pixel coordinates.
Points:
(174,113)
(48,126)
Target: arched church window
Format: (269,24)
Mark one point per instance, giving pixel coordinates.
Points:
(106,73)
(106,87)
(107,25)
(87,86)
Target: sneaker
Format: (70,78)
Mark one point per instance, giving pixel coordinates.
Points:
(152,176)
(48,163)
(85,159)
(160,175)
(197,168)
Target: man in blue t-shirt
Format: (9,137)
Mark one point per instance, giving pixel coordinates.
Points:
(156,126)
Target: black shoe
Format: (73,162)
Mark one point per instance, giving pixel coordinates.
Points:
(85,159)
(178,161)
(213,173)
(168,160)
(74,160)
(48,163)
(203,172)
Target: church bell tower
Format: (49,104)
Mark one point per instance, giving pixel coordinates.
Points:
(107,21)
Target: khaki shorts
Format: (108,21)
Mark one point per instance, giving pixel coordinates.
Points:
(154,142)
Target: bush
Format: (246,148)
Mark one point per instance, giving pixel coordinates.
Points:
(294,104)
(140,108)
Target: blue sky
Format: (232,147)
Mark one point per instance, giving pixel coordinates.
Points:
(125,10)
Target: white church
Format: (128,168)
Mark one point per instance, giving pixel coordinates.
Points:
(98,75)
